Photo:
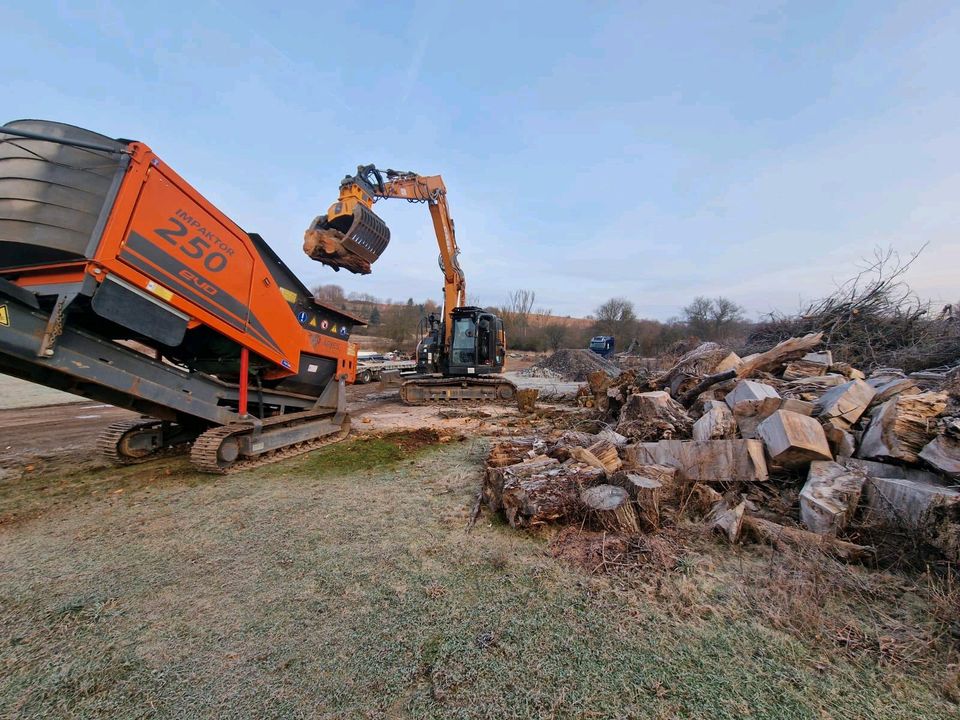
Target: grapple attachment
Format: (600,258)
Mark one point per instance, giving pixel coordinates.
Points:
(351,240)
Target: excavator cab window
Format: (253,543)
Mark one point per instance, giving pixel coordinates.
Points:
(463,350)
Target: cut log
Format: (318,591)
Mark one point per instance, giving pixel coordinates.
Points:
(781,536)
(906,503)
(702,360)
(509,452)
(943,453)
(830,496)
(609,508)
(727,521)
(706,462)
(842,443)
(789,349)
(847,370)
(653,415)
(750,390)
(928,509)
(801,407)
(703,499)
(601,454)
(326,246)
(748,415)
(730,362)
(797,369)
(495,478)
(716,423)
(665,475)
(843,405)
(549,495)
(646,493)
(752,402)
(793,440)
(824,357)
(527,399)
(886,387)
(901,427)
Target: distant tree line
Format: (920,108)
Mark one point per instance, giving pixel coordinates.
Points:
(532,327)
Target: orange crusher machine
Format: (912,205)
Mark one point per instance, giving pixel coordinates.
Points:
(121,283)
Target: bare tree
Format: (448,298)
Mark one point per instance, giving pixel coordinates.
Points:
(712,319)
(329,294)
(697,314)
(618,318)
(516,316)
(555,335)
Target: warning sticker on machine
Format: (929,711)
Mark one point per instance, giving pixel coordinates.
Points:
(4,316)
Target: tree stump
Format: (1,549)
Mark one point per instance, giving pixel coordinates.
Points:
(646,494)
(609,508)
(527,399)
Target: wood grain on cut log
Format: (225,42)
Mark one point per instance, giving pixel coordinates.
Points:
(509,452)
(495,477)
(710,461)
(797,369)
(789,349)
(781,536)
(653,415)
(702,499)
(527,399)
(702,360)
(793,440)
(547,495)
(646,493)
(902,426)
(606,452)
(716,423)
(726,520)
(610,508)
(843,405)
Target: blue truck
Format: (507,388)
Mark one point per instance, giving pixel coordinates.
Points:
(602,345)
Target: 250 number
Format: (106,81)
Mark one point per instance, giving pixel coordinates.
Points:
(196,247)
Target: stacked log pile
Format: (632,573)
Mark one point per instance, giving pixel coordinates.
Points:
(701,439)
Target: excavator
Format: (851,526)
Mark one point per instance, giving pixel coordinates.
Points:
(461,352)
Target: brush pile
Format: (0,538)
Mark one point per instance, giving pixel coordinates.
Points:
(784,447)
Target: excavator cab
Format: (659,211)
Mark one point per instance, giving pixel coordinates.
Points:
(477,344)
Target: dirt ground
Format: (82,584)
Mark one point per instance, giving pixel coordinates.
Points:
(346,584)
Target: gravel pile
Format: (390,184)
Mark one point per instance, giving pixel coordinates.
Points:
(573,365)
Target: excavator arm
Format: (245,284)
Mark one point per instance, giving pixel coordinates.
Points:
(351,236)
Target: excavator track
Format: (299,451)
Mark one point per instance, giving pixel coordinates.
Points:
(424,391)
(206,451)
(112,441)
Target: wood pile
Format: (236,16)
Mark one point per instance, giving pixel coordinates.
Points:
(716,436)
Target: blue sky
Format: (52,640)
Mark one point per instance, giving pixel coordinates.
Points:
(655,151)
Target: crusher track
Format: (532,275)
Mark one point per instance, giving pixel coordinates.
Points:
(204,453)
(110,441)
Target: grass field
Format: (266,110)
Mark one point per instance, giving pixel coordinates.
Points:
(343,585)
